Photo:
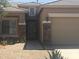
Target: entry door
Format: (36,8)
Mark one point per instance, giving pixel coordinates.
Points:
(32,30)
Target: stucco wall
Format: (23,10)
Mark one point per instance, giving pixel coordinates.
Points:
(45,11)
(54,32)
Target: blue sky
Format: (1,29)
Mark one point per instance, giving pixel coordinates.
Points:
(24,1)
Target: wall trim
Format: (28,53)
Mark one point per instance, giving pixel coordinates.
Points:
(63,14)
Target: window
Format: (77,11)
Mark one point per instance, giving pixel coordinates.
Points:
(8,27)
(32,11)
(5,27)
(12,28)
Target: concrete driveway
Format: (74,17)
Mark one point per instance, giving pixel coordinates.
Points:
(70,53)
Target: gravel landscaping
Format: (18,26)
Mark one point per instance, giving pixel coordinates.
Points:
(16,52)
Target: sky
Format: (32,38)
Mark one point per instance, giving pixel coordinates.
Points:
(25,1)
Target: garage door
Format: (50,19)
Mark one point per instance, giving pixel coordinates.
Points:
(65,30)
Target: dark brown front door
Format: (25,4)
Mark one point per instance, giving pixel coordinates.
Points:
(32,30)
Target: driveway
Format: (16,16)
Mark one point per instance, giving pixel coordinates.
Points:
(70,53)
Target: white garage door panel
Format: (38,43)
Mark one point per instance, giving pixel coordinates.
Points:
(65,30)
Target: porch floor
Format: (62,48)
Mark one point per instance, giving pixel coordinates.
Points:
(33,45)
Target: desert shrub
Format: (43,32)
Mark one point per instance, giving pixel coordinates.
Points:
(11,40)
(22,39)
(7,41)
(4,42)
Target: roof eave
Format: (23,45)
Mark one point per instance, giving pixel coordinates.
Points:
(14,11)
(60,6)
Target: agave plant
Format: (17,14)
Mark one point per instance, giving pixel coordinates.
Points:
(55,54)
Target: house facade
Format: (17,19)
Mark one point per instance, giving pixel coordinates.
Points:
(56,22)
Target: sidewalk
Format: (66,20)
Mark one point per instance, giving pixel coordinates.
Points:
(33,45)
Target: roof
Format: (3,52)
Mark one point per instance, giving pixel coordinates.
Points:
(65,2)
(29,4)
(57,3)
(13,9)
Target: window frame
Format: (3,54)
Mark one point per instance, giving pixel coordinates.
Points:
(9,35)
(5,27)
(33,10)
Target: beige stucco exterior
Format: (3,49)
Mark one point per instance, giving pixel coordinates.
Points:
(59,21)
(64,24)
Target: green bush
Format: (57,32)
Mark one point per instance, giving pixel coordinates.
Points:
(11,41)
(22,39)
(4,42)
